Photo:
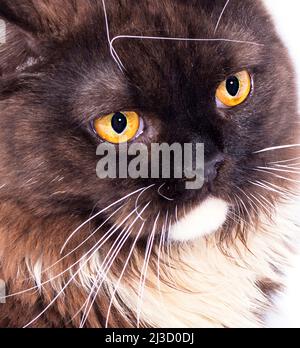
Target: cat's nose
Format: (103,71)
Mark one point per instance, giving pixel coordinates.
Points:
(212,167)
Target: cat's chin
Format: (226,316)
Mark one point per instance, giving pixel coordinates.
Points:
(204,220)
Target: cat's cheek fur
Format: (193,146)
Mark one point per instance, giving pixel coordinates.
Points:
(205,219)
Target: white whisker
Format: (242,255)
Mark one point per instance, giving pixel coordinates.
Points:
(268,204)
(239,213)
(221,15)
(279,170)
(112,50)
(162,38)
(107,263)
(138,198)
(291,166)
(245,207)
(96,247)
(277,176)
(88,238)
(163,196)
(274,148)
(253,205)
(268,188)
(96,215)
(176,213)
(118,61)
(287,193)
(265,208)
(145,270)
(169,243)
(122,274)
(62,290)
(286,161)
(158,261)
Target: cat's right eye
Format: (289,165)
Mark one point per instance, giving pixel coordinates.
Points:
(234,90)
(119,127)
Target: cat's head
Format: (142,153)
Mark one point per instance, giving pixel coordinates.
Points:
(69,82)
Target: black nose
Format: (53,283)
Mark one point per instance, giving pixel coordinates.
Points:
(212,167)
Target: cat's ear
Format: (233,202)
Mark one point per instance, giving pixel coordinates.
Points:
(43,18)
(31,24)
(21,14)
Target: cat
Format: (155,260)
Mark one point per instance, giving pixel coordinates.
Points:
(79,251)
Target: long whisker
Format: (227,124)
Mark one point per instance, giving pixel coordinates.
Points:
(237,209)
(167,238)
(164,196)
(261,185)
(279,170)
(108,261)
(221,15)
(118,61)
(158,260)
(239,212)
(272,188)
(176,213)
(277,176)
(62,290)
(98,245)
(82,243)
(88,238)
(234,217)
(274,148)
(245,207)
(265,208)
(137,200)
(162,38)
(282,189)
(121,233)
(145,270)
(285,193)
(291,166)
(112,50)
(268,203)
(253,204)
(96,215)
(169,244)
(122,274)
(286,161)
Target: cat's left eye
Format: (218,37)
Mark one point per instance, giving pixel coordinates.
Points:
(119,127)
(234,90)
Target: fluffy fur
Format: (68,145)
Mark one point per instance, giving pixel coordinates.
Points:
(74,250)
(193,226)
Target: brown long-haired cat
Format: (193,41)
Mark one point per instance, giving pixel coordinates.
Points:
(79,251)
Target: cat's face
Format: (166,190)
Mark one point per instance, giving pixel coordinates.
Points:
(50,103)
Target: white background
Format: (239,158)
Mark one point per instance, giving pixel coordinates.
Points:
(287,18)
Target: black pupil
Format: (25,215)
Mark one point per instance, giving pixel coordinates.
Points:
(233,85)
(119,123)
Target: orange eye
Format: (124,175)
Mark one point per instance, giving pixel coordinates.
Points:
(117,128)
(234,90)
